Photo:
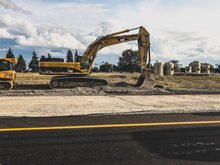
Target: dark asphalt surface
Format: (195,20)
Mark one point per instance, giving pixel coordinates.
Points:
(173,144)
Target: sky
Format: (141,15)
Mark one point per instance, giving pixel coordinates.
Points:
(179,30)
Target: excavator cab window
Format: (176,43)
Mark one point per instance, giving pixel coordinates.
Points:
(77,58)
(86,65)
(5,65)
(13,66)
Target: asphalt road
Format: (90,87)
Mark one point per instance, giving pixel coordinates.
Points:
(152,139)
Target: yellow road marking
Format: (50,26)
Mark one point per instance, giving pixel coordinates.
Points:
(108,126)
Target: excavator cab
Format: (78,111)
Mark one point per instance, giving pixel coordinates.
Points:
(7,73)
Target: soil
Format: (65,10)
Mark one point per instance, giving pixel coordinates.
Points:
(171,94)
(44,106)
(33,84)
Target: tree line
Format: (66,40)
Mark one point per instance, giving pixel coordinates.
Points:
(33,64)
(21,65)
(128,62)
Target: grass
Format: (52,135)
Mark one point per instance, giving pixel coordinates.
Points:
(32,78)
(178,82)
(193,82)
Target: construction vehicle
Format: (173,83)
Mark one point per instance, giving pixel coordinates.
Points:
(75,74)
(7,73)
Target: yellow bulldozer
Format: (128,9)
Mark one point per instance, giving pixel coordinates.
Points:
(75,74)
(7,73)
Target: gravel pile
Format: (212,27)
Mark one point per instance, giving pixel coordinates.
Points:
(44,90)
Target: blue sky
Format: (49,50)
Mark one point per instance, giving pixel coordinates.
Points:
(181,30)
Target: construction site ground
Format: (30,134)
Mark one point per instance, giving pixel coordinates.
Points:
(32,96)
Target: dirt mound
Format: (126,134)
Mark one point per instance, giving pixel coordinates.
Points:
(106,90)
(122,84)
(118,76)
(33,84)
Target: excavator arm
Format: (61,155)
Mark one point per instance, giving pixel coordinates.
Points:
(143,38)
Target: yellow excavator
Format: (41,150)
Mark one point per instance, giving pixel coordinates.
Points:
(75,74)
(7,73)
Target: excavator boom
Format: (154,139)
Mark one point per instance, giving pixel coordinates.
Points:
(143,38)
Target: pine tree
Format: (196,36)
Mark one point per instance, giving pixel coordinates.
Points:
(10,54)
(69,56)
(76,56)
(33,65)
(21,65)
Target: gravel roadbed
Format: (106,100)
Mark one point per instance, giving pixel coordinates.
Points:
(45,106)
(41,90)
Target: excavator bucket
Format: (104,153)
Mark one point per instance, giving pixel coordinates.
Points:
(145,81)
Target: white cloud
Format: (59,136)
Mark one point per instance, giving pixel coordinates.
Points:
(178,31)
(73,15)
(50,39)
(4,49)
(7,4)
(5,34)
(185,52)
(18,25)
(27,34)
(118,49)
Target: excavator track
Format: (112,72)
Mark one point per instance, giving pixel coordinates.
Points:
(6,84)
(62,82)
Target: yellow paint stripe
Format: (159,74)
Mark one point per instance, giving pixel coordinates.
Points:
(108,126)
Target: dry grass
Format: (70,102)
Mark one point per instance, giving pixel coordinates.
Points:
(192,82)
(179,82)
(130,78)
(32,78)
